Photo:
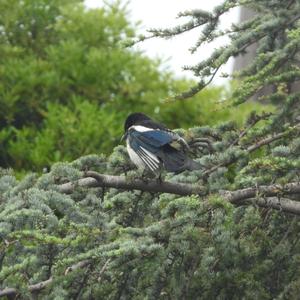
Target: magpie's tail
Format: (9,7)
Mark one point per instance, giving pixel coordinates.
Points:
(191,165)
(176,161)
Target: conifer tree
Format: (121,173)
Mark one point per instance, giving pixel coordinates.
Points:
(90,230)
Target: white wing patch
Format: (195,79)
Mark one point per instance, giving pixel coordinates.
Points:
(142,158)
(136,159)
(140,128)
(153,157)
(149,159)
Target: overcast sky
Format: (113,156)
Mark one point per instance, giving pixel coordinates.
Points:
(162,14)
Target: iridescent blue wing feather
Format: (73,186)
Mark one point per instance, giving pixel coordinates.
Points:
(154,138)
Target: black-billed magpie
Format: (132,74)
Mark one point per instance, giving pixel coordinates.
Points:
(149,146)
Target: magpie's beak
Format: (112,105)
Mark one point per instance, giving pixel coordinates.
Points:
(124,136)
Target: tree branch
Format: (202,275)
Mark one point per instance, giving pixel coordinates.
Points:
(41,285)
(267,141)
(281,204)
(32,288)
(95,179)
(103,269)
(238,197)
(250,149)
(263,196)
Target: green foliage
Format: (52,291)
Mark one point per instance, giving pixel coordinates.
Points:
(73,130)
(210,107)
(129,244)
(275,29)
(67,84)
(60,53)
(67,131)
(138,245)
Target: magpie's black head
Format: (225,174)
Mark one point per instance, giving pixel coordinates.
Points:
(135,119)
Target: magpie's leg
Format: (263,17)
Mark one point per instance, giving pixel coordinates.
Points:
(159,178)
(144,176)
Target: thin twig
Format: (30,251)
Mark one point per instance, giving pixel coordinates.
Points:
(250,149)
(103,269)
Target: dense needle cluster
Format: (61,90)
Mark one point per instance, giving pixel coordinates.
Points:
(65,236)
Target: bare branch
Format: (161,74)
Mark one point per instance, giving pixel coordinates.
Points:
(68,188)
(79,265)
(236,197)
(282,204)
(32,288)
(95,179)
(267,141)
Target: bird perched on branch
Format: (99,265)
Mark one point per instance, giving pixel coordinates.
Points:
(149,145)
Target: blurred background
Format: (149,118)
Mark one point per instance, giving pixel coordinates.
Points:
(174,52)
(68,82)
